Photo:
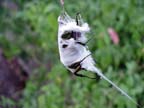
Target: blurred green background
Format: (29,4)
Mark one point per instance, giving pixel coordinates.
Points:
(28,29)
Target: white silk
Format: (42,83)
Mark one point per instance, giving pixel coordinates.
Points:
(74,52)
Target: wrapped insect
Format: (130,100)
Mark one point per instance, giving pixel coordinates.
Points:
(73,50)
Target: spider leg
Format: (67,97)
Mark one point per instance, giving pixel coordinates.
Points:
(81,75)
(90,39)
(77,67)
(78,18)
(83,44)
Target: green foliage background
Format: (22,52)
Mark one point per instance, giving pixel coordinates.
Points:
(33,33)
